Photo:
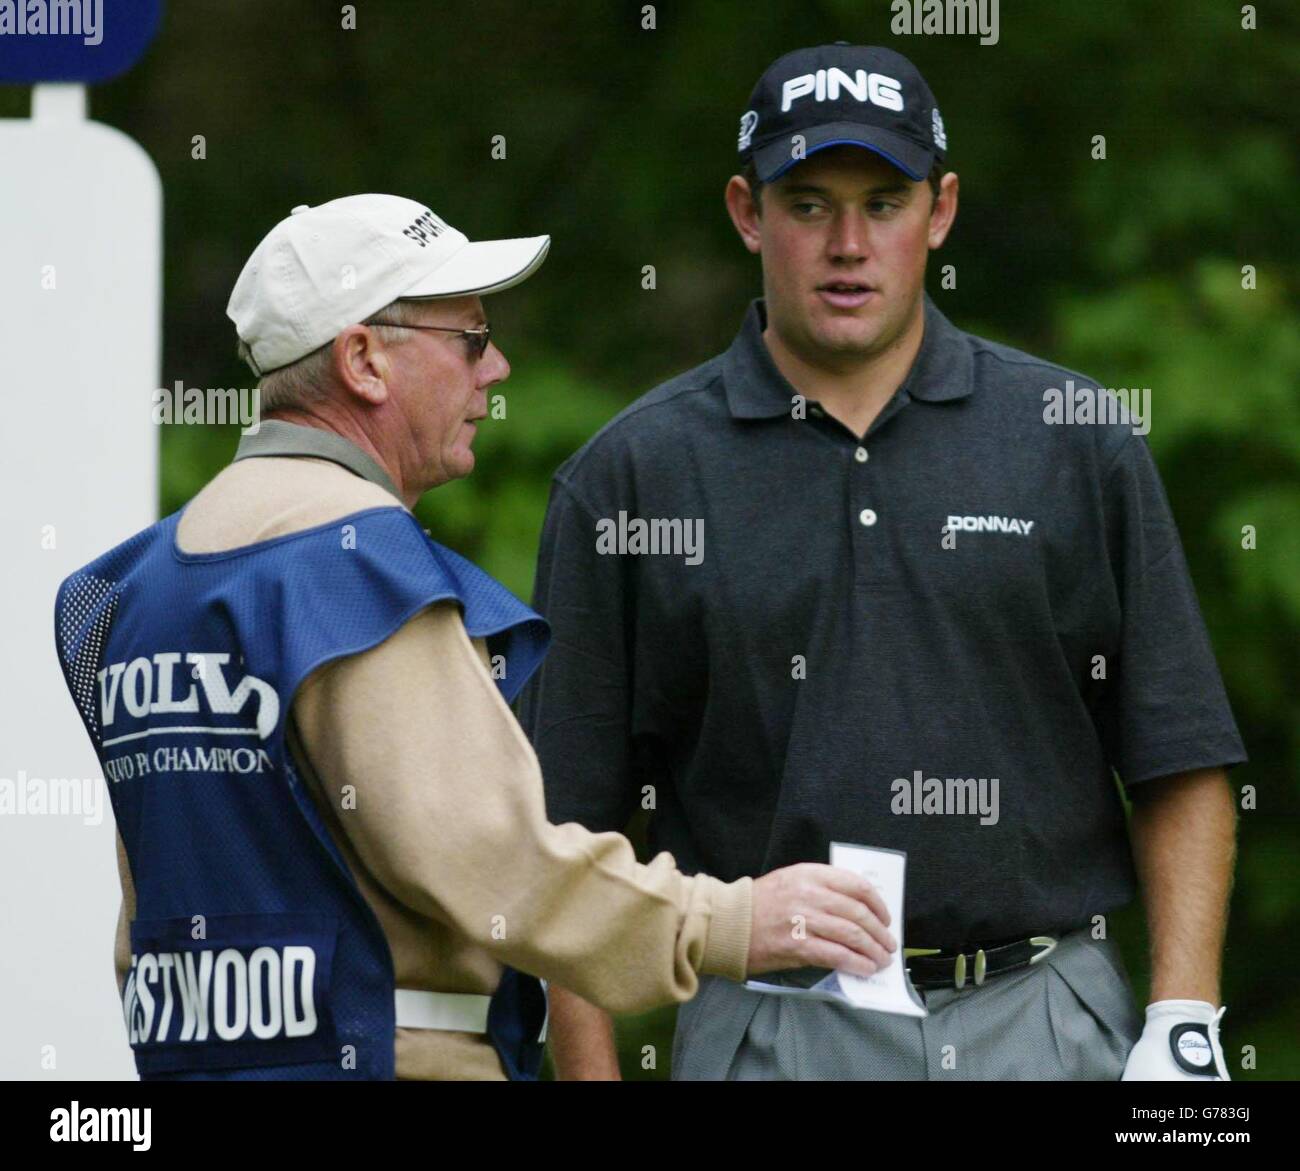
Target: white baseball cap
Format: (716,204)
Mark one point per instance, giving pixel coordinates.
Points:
(334,265)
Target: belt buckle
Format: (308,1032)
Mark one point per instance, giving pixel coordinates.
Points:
(1046,942)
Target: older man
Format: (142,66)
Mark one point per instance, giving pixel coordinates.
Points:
(333,847)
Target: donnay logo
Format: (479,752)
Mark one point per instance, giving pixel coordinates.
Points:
(826,85)
(989,524)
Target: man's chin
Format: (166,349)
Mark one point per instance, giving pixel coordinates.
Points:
(455,465)
(858,341)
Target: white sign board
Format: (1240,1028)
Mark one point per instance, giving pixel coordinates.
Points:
(80,295)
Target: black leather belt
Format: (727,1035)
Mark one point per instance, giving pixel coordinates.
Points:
(932,968)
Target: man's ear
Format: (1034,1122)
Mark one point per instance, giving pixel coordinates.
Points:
(944,210)
(360,364)
(744,213)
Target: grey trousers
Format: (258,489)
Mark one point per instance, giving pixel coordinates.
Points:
(1070,1017)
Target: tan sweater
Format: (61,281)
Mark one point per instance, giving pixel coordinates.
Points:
(445,825)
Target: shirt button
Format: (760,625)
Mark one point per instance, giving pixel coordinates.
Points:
(867,516)
(860,455)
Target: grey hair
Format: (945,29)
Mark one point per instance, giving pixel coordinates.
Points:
(308,379)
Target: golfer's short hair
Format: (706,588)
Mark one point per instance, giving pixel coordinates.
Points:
(308,379)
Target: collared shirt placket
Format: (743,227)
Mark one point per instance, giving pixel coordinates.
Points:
(865,477)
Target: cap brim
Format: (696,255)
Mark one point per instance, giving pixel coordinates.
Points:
(484,266)
(775,158)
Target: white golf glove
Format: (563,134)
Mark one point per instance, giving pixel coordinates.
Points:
(1180,1043)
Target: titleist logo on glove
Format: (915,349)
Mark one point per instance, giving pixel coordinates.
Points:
(1179,1043)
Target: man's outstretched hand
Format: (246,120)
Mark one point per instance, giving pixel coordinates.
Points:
(816,916)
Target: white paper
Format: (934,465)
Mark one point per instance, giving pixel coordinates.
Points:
(889,990)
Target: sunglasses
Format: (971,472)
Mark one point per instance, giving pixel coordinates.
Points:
(478,338)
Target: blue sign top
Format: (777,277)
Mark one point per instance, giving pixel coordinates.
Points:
(74,40)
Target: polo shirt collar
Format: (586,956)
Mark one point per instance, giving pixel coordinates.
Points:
(276,437)
(756,389)
(944,368)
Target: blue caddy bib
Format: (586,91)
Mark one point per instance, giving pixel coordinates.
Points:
(254,954)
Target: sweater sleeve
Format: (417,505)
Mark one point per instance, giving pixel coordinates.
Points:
(440,793)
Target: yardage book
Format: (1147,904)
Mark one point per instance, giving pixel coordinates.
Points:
(889,990)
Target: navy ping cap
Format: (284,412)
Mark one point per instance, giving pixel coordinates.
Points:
(842,94)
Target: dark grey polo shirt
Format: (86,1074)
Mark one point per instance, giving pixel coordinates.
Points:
(828,656)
